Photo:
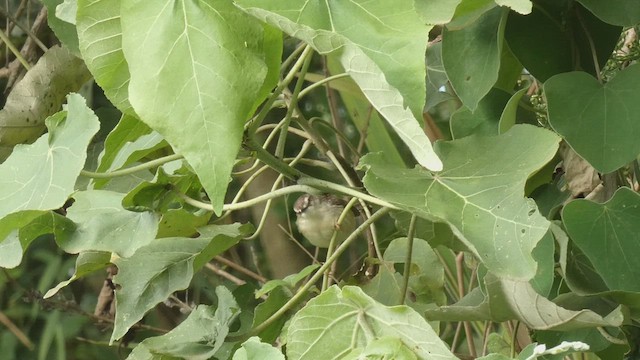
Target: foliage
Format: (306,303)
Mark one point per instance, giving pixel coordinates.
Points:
(490,149)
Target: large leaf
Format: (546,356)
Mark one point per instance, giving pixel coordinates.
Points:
(164,266)
(480,194)
(198,337)
(471,56)
(100,37)
(513,299)
(617,12)
(340,320)
(104,225)
(390,73)
(598,121)
(609,235)
(197,71)
(40,94)
(41,176)
(552,39)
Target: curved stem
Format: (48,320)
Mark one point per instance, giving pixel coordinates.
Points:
(333,187)
(332,244)
(319,83)
(408,258)
(302,291)
(282,139)
(253,124)
(128,171)
(245,204)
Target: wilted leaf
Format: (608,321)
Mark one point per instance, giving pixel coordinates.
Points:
(40,94)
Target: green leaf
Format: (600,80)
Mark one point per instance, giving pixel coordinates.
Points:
(390,74)
(508,116)
(120,145)
(544,256)
(471,56)
(164,266)
(289,282)
(64,30)
(383,348)
(468,12)
(436,77)
(364,116)
(552,39)
(479,194)
(514,299)
(521,6)
(609,235)
(104,225)
(484,120)
(598,121)
(198,337)
(386,286)
(40,94)
(427,273)
(197,71)
(616,12)
(67,11)
(339,320)
(100,37)
(86,263)
(436,12)
(41,176)
(254,349)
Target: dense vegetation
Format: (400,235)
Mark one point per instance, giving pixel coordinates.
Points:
(152,152)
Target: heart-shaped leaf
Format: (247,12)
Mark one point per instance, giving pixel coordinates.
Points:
(609,235)
(598,121)
(480,194)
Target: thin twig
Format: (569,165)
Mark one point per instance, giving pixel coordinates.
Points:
(24,339)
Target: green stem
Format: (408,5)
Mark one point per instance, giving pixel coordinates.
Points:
(249,203)
(128,171)
(333,187)
(14,50)
(319,83)
(272,161)
(302,291)
(332,244)
(257,121)
(407,260)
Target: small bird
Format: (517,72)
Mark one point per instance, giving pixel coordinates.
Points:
(318,219)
